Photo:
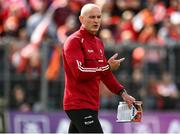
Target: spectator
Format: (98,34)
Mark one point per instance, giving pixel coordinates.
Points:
(13,15)
(167,92)
(19,100)
(151,96)
(107,37)
(29,57)
(136,84)
(126,32)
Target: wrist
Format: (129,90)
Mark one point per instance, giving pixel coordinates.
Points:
(122,92)
(109,66)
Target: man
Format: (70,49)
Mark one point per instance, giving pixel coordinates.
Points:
(85,66)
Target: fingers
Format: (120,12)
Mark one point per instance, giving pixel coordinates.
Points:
(129,100)
(129,104)
(114,56)
(114,64)
(121,60)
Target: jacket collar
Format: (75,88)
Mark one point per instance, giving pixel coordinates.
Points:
(86,33)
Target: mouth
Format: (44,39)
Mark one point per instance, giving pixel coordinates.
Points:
(96,26)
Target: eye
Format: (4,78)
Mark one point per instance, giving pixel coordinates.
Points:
(92,17)
(99,16)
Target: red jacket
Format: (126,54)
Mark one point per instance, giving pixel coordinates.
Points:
(85,65)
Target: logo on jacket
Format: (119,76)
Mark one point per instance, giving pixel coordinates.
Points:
(90,51)
(101,53)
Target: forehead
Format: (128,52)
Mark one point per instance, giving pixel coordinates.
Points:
(93,11)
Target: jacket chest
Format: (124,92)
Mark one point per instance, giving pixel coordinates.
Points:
(92,49)
(93,52)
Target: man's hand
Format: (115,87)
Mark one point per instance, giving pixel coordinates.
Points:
(115,63)
(128,99)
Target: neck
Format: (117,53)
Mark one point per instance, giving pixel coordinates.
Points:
(91,32)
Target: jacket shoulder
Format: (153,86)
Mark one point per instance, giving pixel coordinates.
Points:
(74,36)
(72,40)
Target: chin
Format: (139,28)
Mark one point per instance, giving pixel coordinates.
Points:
(95,31)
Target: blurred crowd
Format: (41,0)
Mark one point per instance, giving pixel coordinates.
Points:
(31,24)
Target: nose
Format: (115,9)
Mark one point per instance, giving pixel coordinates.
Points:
(97,19)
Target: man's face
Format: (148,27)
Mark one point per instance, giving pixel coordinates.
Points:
(92,20)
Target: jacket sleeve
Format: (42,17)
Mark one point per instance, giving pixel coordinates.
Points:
(108,78)
(73,56)
(111,82)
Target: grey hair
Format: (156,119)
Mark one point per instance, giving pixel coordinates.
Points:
(87,7)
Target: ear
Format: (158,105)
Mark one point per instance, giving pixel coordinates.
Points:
(81,19)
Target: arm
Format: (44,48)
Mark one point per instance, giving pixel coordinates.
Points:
(114,86)
(38,34)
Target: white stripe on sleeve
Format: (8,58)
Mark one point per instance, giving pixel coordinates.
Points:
(83,69)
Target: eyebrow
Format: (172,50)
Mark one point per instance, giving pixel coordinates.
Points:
(93,16)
